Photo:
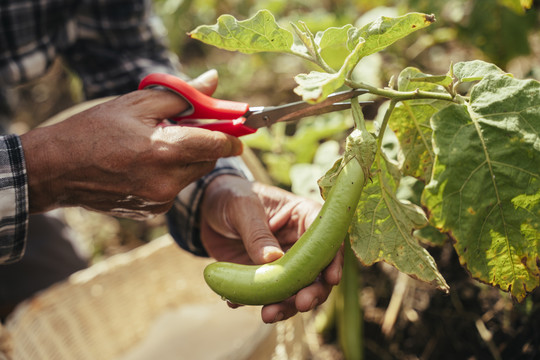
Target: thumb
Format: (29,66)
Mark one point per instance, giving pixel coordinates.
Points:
(206,82)
(167,104)
(261,245)
(233,210)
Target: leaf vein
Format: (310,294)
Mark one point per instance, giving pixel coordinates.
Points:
(475,121)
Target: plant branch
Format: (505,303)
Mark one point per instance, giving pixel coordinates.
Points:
(304,56)
(384,124)
(400,95)
(307,37)
(349,311)
(358,115)
(317,51)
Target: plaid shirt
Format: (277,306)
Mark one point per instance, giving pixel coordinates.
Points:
(13,199)
(111,45)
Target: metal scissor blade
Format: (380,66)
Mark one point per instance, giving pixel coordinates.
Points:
(266,116)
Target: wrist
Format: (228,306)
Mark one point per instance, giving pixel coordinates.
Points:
(42,182)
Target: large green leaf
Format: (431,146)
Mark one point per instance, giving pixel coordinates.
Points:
(383,230)
(410,121)
(257,34)
(485,189)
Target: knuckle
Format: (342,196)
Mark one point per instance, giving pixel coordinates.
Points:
(224,145)
(163,192)
(259,238)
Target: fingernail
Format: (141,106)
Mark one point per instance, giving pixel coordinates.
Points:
(207,76)
(314,303)
(238,148)
(279,316)
(271,253)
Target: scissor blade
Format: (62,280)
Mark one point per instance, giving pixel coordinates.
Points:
(266,116)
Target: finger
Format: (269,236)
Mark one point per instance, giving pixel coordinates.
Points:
(308,298)
(189,144)
(151,106)
(233,305)
(206,82)
(169,104)
(249,219)
(191,172)
(277,312)
(155,105)
(332,273)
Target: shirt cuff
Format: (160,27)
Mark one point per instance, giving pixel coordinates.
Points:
(13,199)
(184,217)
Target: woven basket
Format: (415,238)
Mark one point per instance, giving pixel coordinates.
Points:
(148,303)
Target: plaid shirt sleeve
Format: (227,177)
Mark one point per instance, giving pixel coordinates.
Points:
(184,217)
(118,42)
(13,200)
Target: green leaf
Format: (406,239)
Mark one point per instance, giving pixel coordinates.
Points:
(304,44)
(257,34)
(333,45)
(384,31)
(316,86)
(443,80)
(517,6)
(410,121)
(411,79)
(383,230)
(430,235)
(485,189)
(475,70)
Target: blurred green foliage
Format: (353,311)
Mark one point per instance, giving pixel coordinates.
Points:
(501,29)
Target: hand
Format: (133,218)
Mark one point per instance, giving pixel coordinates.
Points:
(250,223)
(115,158)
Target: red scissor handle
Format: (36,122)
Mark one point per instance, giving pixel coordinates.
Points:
(228,113)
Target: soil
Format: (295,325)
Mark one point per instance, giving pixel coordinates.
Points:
(474,321)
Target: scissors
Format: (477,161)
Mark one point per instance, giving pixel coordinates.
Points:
(238,118)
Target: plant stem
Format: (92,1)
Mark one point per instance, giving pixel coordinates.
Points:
(358,115)
(307,37)
(317,53)
(304,56)
(384,124)
(400,95)
(350,321)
